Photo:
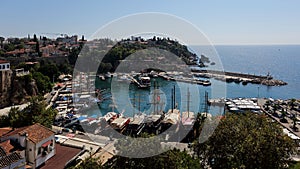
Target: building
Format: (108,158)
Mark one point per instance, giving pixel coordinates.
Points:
(4,65)
(11,160)
(37,140)
(68,39)
(5,83)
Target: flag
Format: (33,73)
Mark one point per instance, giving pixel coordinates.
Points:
(158,98)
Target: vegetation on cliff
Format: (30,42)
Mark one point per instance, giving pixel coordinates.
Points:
(109,54)
(35,112)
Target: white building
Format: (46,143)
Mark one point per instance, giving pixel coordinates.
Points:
(38,141)
(4,65)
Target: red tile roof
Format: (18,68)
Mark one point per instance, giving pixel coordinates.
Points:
(5,130)
(3,61)
(36,132)
(7,147)
(31,43)
(11,131)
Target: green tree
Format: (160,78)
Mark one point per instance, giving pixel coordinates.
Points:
(50,70)
(4,121)
(35,112)
(168,160)
(43,82)
(143,148)
(9,47)
(37,46)
(17,118)
(89,163)
(246,141)
(1,41)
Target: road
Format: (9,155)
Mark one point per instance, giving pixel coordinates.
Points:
(6,110)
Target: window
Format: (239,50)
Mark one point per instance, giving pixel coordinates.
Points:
(39,150)
(7,66)
(3,66)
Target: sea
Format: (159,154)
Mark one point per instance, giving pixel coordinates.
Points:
(280,61)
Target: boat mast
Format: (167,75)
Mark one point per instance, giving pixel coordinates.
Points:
(206,104)
(139,102)
(156,99)
(172,99)
(188,101)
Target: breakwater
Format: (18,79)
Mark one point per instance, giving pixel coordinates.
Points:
(267,80)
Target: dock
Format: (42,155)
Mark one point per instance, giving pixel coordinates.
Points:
(137,83)
(238,77)
(170,77)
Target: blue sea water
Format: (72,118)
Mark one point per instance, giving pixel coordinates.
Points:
(281,61)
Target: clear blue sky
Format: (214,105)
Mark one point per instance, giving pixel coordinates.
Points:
(224,22)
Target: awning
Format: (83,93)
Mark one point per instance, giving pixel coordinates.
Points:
(47,143)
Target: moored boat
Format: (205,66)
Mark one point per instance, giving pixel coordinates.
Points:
(136,125)
(120,124)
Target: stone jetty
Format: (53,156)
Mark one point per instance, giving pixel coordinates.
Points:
(267,80)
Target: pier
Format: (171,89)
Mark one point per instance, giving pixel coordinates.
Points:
(137,83)
(238,77)
(192,80)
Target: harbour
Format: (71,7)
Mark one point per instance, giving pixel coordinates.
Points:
(73,115)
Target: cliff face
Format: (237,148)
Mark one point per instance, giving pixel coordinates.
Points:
(15,90)
(22,91)
(5,87)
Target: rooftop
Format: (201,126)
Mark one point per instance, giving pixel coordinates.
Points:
(36,132)
(7,147)
(3,61)
(7,159)
(4,130)
(62,156)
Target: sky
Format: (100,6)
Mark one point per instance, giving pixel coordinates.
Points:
(223,22)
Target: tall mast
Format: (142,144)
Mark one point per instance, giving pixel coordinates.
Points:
(133,112)
(155,99)
(188,101)
(172,99)
(205,104)
(139,102)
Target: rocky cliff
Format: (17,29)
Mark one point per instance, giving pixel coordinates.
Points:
(15,90)
(5,87)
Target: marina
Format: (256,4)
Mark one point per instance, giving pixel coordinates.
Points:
(73,116)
